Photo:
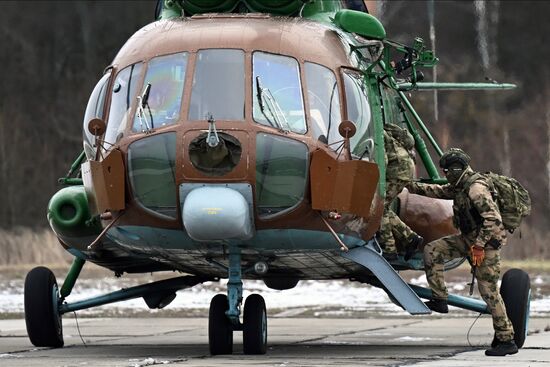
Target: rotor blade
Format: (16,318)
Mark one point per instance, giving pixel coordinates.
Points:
(455,86)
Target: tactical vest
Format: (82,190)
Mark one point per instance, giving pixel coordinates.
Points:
(512,200)
(466,217)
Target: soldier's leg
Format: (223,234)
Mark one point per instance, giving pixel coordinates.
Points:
(488,274)
(386,236)
(436,253)
(401,232)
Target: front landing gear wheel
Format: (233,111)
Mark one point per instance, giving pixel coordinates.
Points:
(515,290)
(220,331)
(254,325)
(42,317)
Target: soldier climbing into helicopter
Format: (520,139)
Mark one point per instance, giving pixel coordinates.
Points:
(398,145)
(482,234)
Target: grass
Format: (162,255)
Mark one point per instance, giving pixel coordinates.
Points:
(23,248)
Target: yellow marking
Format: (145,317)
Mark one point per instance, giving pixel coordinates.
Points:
(212,211)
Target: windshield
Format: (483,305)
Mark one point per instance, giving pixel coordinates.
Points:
(218,85)
(324,103)
(94,109)
(122,97)
(166,75)
(277,92)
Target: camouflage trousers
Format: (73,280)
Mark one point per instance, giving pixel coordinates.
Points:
(437,252)
(392,227)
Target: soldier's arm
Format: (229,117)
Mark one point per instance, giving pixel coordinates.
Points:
(431,190)
(491,227)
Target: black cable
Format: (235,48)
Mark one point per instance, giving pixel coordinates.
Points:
(470,329)
(78,328)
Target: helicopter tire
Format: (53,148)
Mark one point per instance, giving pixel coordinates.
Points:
(515,290)
(42,317)
(254,325)
(220,330)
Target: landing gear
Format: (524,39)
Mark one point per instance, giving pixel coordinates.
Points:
(255,325)
(42,316)
(220,330)
(516,294)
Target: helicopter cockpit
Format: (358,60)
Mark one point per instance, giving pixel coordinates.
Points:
(269,106)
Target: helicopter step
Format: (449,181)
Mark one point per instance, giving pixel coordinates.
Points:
(397,288)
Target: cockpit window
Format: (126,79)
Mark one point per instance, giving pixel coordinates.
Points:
(218,85)
(123,96)
(94,109)
(324,103)
(362,143)
(277,92)
(166,74)
(152,173)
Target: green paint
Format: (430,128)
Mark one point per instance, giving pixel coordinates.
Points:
(171,9)
(411,109)
(422,149)
(76,164)
(378,121)
(70,181)
(69,213)
(363,24)
(71,278)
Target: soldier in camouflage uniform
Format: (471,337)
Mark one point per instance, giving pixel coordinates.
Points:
(398,144)
(481,235)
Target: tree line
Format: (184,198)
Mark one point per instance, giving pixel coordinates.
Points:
(54,53)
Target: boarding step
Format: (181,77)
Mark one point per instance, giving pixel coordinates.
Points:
(390,279)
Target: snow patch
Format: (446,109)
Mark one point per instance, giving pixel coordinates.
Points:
(414,339)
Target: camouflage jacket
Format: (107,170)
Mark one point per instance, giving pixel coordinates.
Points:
(476,214)
(397,144)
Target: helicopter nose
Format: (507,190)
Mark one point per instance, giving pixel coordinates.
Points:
(217,212)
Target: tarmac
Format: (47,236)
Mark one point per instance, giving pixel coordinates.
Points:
(376,341)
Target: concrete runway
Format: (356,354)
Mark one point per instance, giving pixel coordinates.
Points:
(412,341)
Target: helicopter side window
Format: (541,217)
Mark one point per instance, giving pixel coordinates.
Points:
(362,143)
(324,102)
(218,85)
(281,174)
(123,95)
(94,109)
(166,74)
(152,172)
(277,92)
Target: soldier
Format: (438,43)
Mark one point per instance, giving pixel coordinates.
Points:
(398,144)
(481,235)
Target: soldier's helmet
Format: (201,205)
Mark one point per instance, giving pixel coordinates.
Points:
(452,156)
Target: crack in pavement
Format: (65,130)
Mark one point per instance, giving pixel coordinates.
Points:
(355,332)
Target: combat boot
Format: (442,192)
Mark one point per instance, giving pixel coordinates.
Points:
(415,242)
(502,349)
(438,305)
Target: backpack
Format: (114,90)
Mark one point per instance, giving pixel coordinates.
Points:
(512,199)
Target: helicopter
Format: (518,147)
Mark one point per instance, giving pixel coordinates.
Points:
(243,139)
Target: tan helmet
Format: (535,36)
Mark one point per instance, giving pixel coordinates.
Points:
(454,155)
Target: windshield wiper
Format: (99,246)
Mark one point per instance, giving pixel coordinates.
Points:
(143,101)
(272,105)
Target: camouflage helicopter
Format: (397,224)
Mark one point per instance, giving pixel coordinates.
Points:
(242,139)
